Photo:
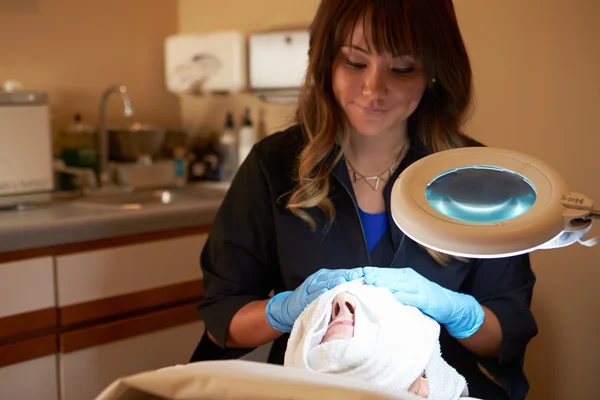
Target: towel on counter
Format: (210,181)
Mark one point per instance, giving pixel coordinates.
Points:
(393,344)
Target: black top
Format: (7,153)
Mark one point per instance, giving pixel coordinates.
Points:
(256,245)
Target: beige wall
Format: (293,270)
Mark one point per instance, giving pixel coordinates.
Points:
(536,66)
(74,49)
(536,69)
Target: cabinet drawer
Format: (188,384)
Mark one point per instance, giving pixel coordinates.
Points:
(86,372)
(93,275)
(27,301)
(33,379)
(26,286)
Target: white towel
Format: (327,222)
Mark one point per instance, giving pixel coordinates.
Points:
(393,344)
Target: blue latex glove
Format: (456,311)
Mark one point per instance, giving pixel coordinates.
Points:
(285,307)
(460,313)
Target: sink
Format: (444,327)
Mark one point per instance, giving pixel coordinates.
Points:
(152,197)
(29,206)
(31,202)
(135,198)
(116,198)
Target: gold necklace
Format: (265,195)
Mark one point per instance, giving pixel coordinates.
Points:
(373,181)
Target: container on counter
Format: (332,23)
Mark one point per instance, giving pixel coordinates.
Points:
(79,145)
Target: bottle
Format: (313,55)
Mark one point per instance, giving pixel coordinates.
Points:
(228,150)
(246,138)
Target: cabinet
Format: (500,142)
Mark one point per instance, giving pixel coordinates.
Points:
(78,317)
(85,373)
(126,309)
(112,281)
(26,286)
(31,379)
(91,275)
(28,330)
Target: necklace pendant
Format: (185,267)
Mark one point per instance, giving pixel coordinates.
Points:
(368,179)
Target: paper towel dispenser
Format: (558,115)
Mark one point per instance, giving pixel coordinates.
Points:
(206,63)
(277,64)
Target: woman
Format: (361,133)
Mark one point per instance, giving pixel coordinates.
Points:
(388,82)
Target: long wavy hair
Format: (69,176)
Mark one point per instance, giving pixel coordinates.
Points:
(427,30)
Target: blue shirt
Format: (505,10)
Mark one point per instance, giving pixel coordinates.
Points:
(374,226)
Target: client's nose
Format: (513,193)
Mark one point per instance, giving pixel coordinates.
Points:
(344,305)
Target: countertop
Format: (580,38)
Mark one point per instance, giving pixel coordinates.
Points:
(80,221)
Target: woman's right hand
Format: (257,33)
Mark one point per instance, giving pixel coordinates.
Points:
(285,307)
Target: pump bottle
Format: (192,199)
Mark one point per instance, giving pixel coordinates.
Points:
(246,138)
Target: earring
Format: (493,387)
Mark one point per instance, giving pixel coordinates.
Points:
(433,80)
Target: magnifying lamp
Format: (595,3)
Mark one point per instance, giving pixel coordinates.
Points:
(486,202)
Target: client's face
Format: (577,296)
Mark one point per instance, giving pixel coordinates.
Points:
(341,324)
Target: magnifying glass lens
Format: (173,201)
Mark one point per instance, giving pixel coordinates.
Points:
(480,194)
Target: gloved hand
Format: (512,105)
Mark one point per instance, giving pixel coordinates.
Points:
(460,313)
(285,307)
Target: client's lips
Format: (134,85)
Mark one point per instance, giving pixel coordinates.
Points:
(344,322)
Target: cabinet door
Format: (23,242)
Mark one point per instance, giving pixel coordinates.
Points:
(28,318)
(32,379)
(157,273)
(86,372)
(26,286)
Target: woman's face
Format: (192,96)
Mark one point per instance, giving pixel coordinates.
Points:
(341,324)
(377,92)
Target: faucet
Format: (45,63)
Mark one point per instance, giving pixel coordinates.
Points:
(103,130)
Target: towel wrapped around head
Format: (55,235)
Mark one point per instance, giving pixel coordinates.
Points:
(393,345)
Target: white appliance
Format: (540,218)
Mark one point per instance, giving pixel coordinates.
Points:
(25,143)
(278,62)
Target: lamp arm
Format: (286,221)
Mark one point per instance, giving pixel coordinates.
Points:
(594,214)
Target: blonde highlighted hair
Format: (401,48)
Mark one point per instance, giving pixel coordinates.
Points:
(427,30)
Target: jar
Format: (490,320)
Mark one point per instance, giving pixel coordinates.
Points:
(79,145)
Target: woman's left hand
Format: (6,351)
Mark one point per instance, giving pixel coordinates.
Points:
(460,313)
